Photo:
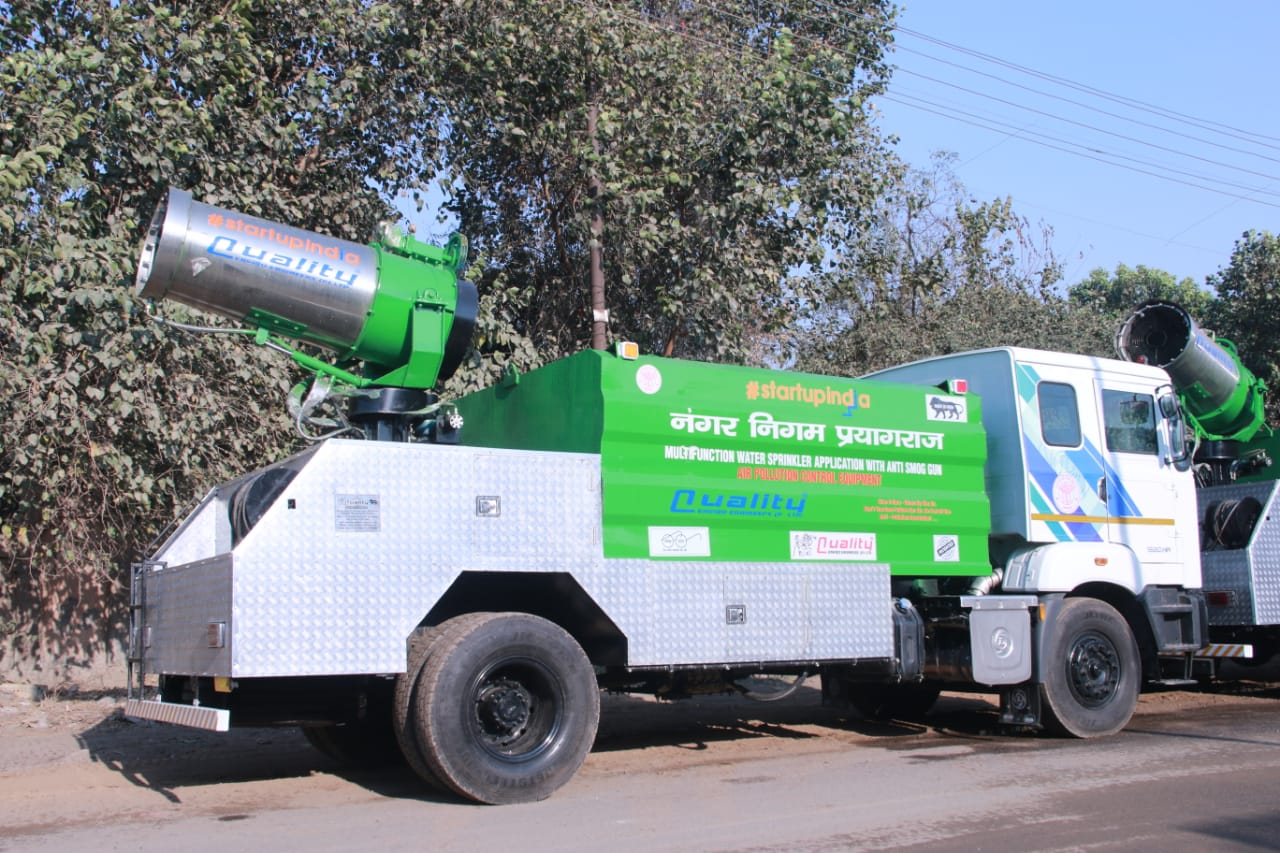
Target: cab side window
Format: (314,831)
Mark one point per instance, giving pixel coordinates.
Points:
(1059,415)
(1129,419)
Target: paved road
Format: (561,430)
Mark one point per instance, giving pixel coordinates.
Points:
(1193,772)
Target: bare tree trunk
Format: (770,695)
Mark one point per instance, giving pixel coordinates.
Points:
(599,313)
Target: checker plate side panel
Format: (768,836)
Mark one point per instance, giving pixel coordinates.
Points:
(1251,573)
(368,536)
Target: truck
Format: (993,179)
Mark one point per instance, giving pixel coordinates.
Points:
(457,581)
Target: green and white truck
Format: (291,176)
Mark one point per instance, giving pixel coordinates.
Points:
(464,578)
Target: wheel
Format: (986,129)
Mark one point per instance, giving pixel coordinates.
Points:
(893,701)
(403,719)
(506,707)
(1092,670)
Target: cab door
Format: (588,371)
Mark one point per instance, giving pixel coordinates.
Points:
(1139,484)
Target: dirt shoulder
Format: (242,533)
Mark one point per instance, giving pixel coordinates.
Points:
(72,759)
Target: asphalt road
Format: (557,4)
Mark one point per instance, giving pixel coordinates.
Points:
(1193,772)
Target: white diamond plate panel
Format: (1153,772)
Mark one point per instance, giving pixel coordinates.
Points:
(368,536)
(1252,573)
(206,532)
(725,612)
(181,602)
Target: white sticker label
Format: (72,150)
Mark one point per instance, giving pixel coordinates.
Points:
(679,541)
(834,546)
(946,548)
(357,512)
(946,408)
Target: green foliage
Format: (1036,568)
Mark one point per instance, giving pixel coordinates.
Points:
(1102,301)
(112,422)
(728,148)
(1248,309)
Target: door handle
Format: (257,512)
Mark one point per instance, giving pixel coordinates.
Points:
(1102,488)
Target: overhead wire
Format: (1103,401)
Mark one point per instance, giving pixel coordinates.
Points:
(990,124)
(1200,122)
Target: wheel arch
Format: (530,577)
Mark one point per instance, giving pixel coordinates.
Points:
(1122,601)
(555,596)
(1130,607)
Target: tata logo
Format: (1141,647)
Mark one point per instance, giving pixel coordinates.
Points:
(764,504)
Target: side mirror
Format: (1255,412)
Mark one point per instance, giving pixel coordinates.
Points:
(1181,446)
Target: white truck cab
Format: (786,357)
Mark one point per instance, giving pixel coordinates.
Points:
(1086,469)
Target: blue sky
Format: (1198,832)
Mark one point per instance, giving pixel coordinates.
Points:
(1003,65)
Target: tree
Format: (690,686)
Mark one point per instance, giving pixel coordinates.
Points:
(727,142)
(937,272)
(1102,302)
(1247,311)
(112,423)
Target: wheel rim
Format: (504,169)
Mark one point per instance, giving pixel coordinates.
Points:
(1093,670)
(516,708)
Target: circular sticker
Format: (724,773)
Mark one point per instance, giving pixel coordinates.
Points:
(649,379)
(1066,493)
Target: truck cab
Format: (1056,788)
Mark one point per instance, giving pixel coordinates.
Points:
(1092,497)
(1080,452)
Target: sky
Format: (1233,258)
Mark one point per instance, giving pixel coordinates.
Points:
(1169,113)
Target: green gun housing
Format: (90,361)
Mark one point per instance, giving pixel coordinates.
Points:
(396,306)
(1222,400)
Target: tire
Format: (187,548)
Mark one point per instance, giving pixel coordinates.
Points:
(1092,671)
(506,707)
(403,719)
(883,702)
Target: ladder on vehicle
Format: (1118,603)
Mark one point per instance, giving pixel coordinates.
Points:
(139,633)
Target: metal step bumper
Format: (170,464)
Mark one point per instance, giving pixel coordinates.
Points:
(206,718)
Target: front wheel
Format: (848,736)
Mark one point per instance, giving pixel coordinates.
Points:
(506,707)
(1092,670)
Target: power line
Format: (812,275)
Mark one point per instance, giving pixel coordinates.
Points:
(1091,108)
(1202,123)
(1089,127)
(1090,153)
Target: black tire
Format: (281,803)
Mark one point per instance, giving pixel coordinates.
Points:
(507,707)
(1092,671)
(883,702)
(403,719)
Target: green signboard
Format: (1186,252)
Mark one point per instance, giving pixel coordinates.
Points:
(703,462)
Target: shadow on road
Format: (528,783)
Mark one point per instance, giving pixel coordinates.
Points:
(163,758)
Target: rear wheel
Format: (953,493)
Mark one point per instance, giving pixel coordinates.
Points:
(403,718)
(506,707)
(1092,670)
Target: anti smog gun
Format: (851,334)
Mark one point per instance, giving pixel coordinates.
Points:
(460,581)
